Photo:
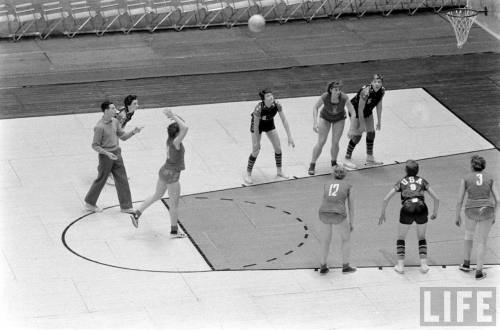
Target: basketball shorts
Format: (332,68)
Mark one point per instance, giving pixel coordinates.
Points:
(413,210)
(264,126)
(168,175)
(480,213)
(332,118)
(331,218)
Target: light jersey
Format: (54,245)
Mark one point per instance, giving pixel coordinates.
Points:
(335,194)
(175,157)
(333,111)
(411,187)
(478,187)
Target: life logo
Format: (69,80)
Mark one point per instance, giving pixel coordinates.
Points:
(458,306)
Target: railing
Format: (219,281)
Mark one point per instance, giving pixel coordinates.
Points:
(42,18)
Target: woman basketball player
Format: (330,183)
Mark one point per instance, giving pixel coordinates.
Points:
(479,211)
(368,97)
(169,173)
(263,121)
(333,212)
(414,209)
(332,115)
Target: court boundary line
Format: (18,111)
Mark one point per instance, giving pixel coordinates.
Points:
(63,240)
(460,118)
(325,174)
(164,201)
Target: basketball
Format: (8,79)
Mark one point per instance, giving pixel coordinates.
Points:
(256,23)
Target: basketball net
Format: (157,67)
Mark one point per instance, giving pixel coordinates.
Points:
(461,19)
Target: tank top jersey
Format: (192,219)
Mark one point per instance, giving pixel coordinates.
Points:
(411,187)
(124,116)
(478,187)
(333,111)
(266,114)
(335,194)
(175,157)
(371,96)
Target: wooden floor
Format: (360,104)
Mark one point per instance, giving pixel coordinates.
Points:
(44,176)
(468,85)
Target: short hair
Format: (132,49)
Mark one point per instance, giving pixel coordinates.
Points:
(378,76)
(105,105)
(263,93)
(173,129)
(334,83)
(129,99)
(411,167)
(339,172)
(478,163)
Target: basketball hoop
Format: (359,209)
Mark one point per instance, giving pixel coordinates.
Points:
(462,19)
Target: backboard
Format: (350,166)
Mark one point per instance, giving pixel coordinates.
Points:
(490,22)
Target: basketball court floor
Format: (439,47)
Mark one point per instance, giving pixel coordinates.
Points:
(65,268)
(250,257)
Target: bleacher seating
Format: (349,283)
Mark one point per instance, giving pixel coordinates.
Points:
(44,18)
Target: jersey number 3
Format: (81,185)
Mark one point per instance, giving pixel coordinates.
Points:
(479,180)
(334,188)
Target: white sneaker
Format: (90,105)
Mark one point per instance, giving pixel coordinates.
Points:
(247,178)
(92,208)
(349,164)
(399,269)
(178,235)
(283,175)
(370,161)
(424,268)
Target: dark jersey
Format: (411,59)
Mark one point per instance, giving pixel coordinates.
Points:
(266,115)
(411,187)
(371,97)
(124,116)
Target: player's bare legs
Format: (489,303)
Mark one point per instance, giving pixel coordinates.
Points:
(174,193)
(483,229)
(370,138)
(275,141)
(323,130)
(326,240)
(253,157)
(345,235)
(337,130)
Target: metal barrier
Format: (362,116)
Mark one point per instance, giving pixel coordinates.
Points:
(42,18)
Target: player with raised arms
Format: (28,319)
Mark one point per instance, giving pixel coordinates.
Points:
(169,174)
(412,189)
(482,199)
(263,121)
